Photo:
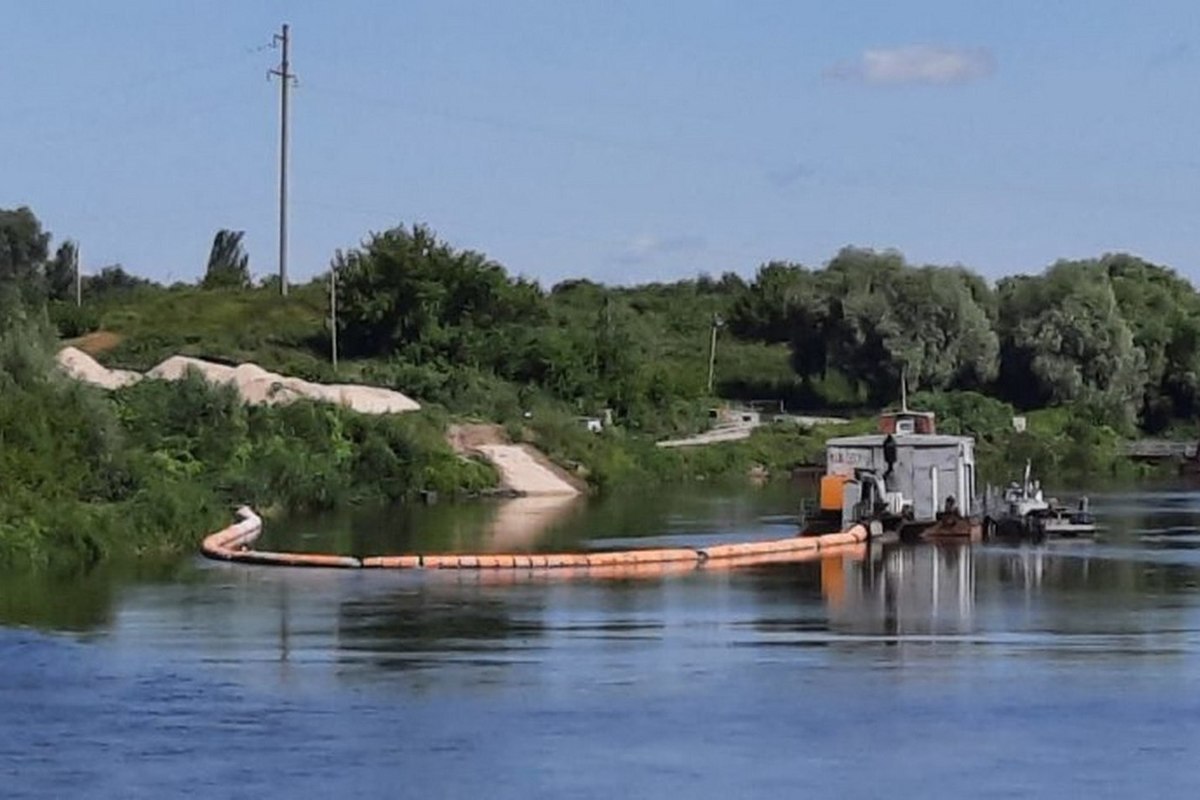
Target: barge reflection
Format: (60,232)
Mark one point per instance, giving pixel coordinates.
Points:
(902,589)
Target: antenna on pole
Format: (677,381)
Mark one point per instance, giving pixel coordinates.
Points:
(904,389)
(286,79)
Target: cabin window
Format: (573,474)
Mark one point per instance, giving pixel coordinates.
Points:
(904,426)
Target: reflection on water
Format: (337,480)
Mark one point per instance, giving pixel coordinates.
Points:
(536,524)
(519,524)
(438,619)
(902,590)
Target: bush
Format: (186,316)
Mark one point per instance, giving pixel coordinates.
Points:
(72,321)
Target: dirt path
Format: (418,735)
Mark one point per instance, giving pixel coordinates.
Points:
(97,342)
(522,468)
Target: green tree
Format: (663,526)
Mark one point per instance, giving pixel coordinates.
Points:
(1066,342)
(406,291)
(1163,311)
(112,280)
(871,316)
(60,272)
(768,309)
(939,332)
(23,246)
(228,263)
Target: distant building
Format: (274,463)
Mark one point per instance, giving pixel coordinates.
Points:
(735,416)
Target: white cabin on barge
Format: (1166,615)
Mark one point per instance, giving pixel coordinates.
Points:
(907,474)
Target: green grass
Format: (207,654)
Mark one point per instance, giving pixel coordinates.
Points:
(234,325)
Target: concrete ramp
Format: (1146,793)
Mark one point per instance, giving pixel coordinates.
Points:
(524,471)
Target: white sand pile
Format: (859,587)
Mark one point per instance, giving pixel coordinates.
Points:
(258,386)
(370,399)
(82,367)
(176,368)
(521,471)
(254,384)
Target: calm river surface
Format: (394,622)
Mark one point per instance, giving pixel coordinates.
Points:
(1068,670)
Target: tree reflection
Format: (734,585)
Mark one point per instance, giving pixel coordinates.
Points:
(435,623)
(68,603)
(74,601)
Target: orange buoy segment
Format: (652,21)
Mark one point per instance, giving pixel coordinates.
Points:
(794,544)
(391,562)
(233,543)
(844,538)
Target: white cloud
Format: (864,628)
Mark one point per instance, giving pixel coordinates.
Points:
(646,247)
(917,64)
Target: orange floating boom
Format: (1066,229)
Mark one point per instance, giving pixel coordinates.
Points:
(234,543)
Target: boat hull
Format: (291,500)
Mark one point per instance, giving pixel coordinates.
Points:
(949,527)
(1069,529)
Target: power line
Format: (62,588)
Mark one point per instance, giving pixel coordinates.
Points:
(98,98)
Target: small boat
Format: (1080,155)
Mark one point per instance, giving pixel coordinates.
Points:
(1025,513)
(1061,521)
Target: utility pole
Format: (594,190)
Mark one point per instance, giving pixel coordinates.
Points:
(78,279)
(286,77)
(333,314)
(712,350)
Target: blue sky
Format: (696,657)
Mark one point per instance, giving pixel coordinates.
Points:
(622,141)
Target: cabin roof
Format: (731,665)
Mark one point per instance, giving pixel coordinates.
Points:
(902,440)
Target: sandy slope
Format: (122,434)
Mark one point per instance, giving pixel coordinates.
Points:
(522,468)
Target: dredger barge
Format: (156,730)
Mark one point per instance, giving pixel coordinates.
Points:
(906,480)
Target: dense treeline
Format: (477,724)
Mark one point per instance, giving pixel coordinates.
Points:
(1116,337)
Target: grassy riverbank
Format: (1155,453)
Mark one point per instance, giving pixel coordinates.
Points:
(86,475)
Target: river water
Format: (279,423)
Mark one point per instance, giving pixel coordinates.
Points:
(988,671)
